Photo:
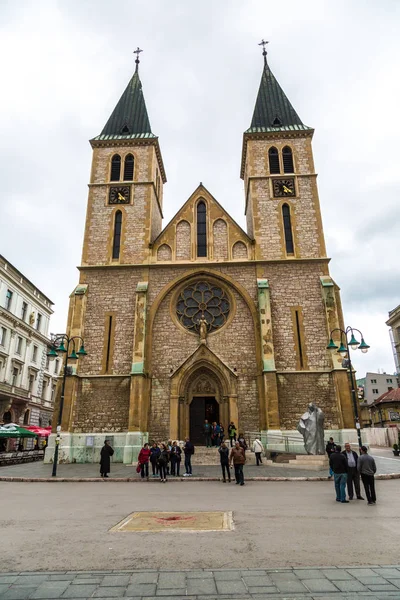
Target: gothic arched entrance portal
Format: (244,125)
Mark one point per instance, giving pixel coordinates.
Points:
(204,398)
(202,385)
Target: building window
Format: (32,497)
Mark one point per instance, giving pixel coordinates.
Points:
(202,300)
(38,321)
(201,229)
(18,347)
(34,353)
(273,158)
(26,417)
(375,391)
(299,341)
(128,168)
(44,388)
(115,168)
(117,234)
(15,373)
(56,366)
(389,381)
(53,392)
(9,296)
(390,388)
(373,380)
(287,227)
(3,336)
(287,157)
(47,363)
(31,382)
(24,310)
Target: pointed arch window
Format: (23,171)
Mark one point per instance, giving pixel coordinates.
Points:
(287,228)
(117,235)
(273,157)
(128,167)
(201,229)
(115,168)
(287,157)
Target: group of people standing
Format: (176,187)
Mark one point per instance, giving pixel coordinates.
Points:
(346,467)
(165,459)
(214,434)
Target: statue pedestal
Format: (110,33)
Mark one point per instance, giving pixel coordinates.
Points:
(310,461)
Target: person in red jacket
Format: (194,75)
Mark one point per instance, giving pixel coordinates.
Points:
(144,456)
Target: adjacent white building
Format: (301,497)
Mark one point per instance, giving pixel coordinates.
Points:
(374,385)
(27,378)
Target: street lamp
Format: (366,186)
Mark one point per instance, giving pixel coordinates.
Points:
(62,344)
(344,349)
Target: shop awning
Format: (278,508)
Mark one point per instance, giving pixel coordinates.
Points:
(14,431)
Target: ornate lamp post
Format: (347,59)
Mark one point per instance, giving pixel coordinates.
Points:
(343,350)
(64,345)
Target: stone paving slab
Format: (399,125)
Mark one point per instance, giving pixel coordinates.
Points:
(312,583)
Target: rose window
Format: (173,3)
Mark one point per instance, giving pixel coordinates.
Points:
(202,299)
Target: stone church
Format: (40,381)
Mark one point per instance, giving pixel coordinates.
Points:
(201,319)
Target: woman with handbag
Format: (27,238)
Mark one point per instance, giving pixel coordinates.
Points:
(143,461)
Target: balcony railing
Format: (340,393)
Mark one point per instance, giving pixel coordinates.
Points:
(8,388)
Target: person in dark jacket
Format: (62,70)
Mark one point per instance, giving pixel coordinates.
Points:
(367,468)
(207,433)
(105,454)
(224,458)
(175,456)
(338,464)
(330,449)
(162,461)
(188,450)
(353,475)
(242,442)
(154,454)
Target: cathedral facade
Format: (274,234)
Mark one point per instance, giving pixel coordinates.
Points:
(201,319)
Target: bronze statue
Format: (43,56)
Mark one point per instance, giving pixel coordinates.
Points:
(311,427)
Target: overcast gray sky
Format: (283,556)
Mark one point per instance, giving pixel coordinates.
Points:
(65,64)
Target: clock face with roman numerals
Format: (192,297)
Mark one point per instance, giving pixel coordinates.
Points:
(283,188)
(119,195)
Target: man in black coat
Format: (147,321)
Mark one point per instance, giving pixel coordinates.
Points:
(353,475)
(105,454)
(338,464)
(330,449)
(188,450)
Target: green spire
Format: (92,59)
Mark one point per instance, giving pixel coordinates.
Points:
(273,111)
(129,118)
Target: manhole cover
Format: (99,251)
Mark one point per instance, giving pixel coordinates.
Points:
(176,521)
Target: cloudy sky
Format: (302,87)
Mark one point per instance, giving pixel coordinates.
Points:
(65,64)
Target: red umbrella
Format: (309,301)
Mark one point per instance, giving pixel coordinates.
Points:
(41,431)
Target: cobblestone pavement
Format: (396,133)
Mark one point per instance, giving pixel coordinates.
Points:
(326,583)
(385,465)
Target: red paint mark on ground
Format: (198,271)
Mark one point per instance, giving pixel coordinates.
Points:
(173,519)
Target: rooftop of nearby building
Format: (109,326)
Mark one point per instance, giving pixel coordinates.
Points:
(394,315)
(5,264)
(391,396)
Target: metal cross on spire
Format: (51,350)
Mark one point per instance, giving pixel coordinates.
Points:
(263,43)
(137,61)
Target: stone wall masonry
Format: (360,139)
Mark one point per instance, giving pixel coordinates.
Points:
(183,241)
(109,290)
(298,284)
(234,344)
(102,406)
(297,390)
(265,211)
(102,156)
(164,253)
(220,240)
